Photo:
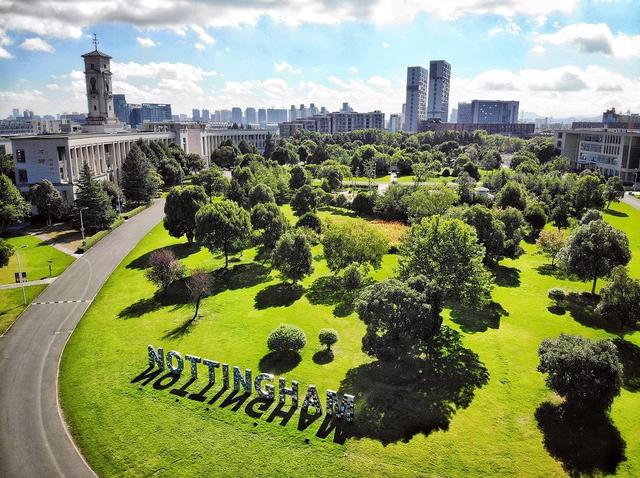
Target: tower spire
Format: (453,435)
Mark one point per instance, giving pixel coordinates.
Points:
(95,41)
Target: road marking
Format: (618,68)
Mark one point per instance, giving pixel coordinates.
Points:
(81,301)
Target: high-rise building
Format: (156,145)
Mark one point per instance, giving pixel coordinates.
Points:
(339,122)
(262,116)
(155,112)
(293,113)
(346,108)
(225,115)
(236,115)
(394,122)
(417,82)
(135,115)
(493,112)
(465,113)
(302,112)
(15,113)
(313,109)
(121,108)
(250,116)
(205,116)
(277,115)
(438,91)
(195,114)
(323,110)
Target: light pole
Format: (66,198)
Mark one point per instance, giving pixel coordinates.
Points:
(84,243)
(24,294)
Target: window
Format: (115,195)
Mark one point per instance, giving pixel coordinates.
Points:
(20,156)
(22,176)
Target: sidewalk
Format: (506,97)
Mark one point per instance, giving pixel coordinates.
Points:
(48,280)
(631,201)
(49,241)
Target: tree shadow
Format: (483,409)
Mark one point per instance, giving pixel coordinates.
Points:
(554,271)
(337,211)
(176,295)
(616,213)
(329,290)
(278,295)
(323,357)
(241,276)
(582,307)
(181,330)
(397,400)
(279,362)
(629,355)
(585,441)
(556,309)
(181,251)
(473,320)
(506,276)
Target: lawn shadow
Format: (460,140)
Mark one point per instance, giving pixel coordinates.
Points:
(323,357)
(582,307)
(241,276)
(279,362)
(337,211)
(398,400)
(629,355)
(181,251)
(278,295)
(473,320)
(616,213)
(329,290)
(555,271)
(585,441)
(506,276)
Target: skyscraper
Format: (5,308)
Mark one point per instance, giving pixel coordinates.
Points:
(416,109)
(155,113)
(195,114)
(250,116)
(121,108)
(205,115)
(465,113)
(488,112)
(293,113)
(236,115)
(439,80)
(262,116)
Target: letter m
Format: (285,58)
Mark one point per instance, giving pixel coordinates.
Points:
(346,409)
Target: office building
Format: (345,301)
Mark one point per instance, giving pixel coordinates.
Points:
(454,115)
(262,116)
(394,123)
(518,130)
(339,122)
(302,112)
(416,98)
(195,114)
(236,115)
(313,109)
(438,91)
(250,116)
(205,116)
(155,112)
(293,113)
(277,115)
(135,115)
(465,113)
(615,152)
(15,113)
(121,108)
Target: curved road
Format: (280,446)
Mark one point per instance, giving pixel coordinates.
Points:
(34,441)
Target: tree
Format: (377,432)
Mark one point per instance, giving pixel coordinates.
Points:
(170,171)
(420,173)
(400,316)
(199,285)
(299,177)
(594,249)
(47,199)
(489,229)
(6,251)
(292,256)
(491,159)
(13,207)
(260,194)
(194,163)
(328,337)
(587,193)
(466,185)
(512,194)
(613,190)
(536,217)
(213,182)
(287,338)
(304,200)
(246,148)
(269,146)
(333,175)
(514,230)
(310,220)
(550,242)
(472,170)
(164,268)
(183,202)
(6,165)
(583,371)
(620,302)
(353,242)
(224,157)
(97,213)
(115,194)
(429,200)
(447,251)
(270,219)
(590,215)
(223,227)
(285,155)
(364,202)
(138,183)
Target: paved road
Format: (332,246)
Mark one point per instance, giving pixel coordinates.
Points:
(631,201)
(34,441)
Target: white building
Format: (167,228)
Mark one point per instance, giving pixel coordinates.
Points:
(615,152)
(338,122)
(439,81)
(416,103)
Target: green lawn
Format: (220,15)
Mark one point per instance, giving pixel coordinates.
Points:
(157,428)
(34,259)
(12,304)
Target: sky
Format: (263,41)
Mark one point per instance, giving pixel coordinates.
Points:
(559,58)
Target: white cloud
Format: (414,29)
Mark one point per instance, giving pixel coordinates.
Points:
(165,70)
(37,44)
(353,70)
(145,42)
(593,38)
(385,45)
(4,54)
(199,46)
(284,67)
(510,28)
(52,86)
(203,35)
(4,39)
(538,50)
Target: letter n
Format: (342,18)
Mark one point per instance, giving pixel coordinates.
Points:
(156,357)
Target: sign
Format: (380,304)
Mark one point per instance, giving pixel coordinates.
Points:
(263,384)
(17,276)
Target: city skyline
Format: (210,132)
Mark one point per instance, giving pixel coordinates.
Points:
(585,52)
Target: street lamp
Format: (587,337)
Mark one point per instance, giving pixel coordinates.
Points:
(22,281)
(84,243)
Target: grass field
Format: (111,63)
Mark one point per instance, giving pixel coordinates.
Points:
(481,412)
(12,304)
(34,259)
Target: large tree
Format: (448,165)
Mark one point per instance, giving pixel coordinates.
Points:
(6,251)
(47,199)
(512,194)
(292,256)
(514,230)
(97,212)
(304,200)
(594,249)
(183,202)
(447,251)
(613,190)
(13,207)
(299,177)
(212,180)
(587,193)
(164,268)
(271,221)
(223,227)
(620,301)
(138,181)
(550,242)
(401,316)
(428,201)
(260,194)
(225,157)
(353,242)
(583,371)
(489,229)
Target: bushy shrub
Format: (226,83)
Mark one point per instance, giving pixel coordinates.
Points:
(363,203)
(287,338)
(310,220)
(340,201)
(590,215)
(328,337)
(557,295)
(352,278)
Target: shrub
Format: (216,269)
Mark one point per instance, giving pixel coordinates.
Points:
(310,220)
(164,268)
(352,278)
(340,201)
(328,337)
(363,203)
(287,338)
(557,295)
(590,215)
(446,173)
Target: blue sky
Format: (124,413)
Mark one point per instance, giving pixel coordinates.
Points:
(557,57)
